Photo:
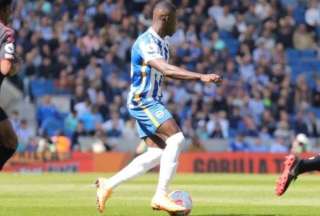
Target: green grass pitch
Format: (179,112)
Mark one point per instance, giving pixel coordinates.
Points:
(213,195)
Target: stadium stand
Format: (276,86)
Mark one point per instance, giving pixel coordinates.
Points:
(268,52)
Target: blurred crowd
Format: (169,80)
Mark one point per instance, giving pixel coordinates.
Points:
(84,47)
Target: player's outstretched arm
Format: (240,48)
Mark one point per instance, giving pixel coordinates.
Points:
(180,73)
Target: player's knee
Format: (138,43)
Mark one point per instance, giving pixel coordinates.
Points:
(177,139)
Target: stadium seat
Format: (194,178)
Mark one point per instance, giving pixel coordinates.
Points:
(317,66)
(232,45)
(292,54)
(225,35)
(318,31)
(310,53)
(41,87)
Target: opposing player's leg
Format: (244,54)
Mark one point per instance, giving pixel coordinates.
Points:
(293,166)
(174,140)
(309,165)
(8,139)
(288,174)
(137,167)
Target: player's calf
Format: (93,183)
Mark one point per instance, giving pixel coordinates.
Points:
(5,155)
(8,142)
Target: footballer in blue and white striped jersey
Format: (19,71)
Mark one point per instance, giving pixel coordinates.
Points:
(146,81)
(144,99)
(155,124)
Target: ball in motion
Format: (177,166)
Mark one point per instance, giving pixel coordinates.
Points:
(181,198)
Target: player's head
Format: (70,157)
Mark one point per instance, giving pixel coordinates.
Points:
(164,17)
(5,6)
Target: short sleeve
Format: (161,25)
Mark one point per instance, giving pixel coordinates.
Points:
(150,50)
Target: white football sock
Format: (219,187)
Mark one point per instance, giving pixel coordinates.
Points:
(169,162)
(137,167)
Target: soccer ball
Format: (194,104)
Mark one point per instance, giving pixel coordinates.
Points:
(181,198)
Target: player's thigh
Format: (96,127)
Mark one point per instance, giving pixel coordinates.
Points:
(168,128)
(155,141)
(154,119)
(8,137)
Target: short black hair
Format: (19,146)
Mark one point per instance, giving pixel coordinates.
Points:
(5,3)
(165,4)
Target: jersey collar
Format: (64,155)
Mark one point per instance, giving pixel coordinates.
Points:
(155,34)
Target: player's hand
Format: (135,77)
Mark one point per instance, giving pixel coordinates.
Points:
(207,78)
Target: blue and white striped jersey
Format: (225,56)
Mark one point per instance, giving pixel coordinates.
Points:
(146,81)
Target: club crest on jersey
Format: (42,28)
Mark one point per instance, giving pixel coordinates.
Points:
(159,114)
(152,48)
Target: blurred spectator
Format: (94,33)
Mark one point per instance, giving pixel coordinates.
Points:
(279,145)
(71,123)
(46,110)
(25,134)
(188,129)
(261,53)
(256,106)
(268,121)
(100,18)
(218,125)
(15,120)
(258,146)
(247,70)
(114,126)
(102,138)
(248,127)
(218,44)
(80,131)
(31,150)
(250,16)
(239,144)
(263,9)
(285,34)
(312,14)
(303,39)
(63,146)
(316,94)
(90,119)
(299,125)
(46,149)
(216,10)
(83,107)
(235,118)
(227,20)
(283,130)
(313,125)
(302,92)
(202,133)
